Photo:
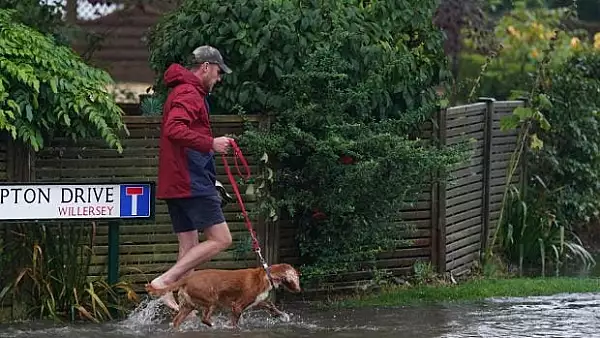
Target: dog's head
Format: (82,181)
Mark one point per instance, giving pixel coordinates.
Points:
(287,276)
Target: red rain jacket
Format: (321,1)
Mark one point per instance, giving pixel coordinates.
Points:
(186,165)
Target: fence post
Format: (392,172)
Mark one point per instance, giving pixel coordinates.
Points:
(487,169)
(438,201)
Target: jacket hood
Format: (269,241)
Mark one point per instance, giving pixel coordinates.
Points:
(176,74)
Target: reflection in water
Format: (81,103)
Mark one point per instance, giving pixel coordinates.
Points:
(566,315)
(557,316)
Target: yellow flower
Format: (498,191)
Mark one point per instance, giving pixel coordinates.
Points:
(534,53)
(574,42)
(512,31)
(597,40)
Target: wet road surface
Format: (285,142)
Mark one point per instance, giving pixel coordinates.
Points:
(565,315)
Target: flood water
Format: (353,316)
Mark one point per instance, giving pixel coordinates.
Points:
(565,315)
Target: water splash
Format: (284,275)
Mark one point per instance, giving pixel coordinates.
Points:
(152,316)
(147,316)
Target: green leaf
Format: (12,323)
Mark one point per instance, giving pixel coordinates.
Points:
(544,124)
(544,101)
(29,112)
(509,122)
(278,72)
(54,85)
(536,143)
(523,113)
(261,68)
(243,96)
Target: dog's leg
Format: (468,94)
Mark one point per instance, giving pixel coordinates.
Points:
(236,312)
(184,311)
(269,306)
(207,314)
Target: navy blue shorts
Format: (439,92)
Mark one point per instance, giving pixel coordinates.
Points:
(197,213)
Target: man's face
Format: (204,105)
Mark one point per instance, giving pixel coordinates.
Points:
(209,74)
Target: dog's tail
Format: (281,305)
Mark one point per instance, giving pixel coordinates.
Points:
(161,291)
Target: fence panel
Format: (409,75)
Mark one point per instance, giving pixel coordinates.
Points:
(502,148)
(464,203)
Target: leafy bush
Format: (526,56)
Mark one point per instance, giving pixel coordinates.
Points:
(521,39)
(45,17)
(540,220)
(47,90)
(263,40)
(569,162)
(345,84)
(343,175)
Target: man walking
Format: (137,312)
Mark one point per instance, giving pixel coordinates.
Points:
(186,172)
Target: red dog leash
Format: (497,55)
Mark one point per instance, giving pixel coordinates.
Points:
(237,154)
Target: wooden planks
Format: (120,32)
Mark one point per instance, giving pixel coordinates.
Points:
(503,145)
(464,203)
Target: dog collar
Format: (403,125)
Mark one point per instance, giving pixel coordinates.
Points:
(268,271)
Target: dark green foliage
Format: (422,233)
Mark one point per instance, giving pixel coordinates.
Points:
(569,162)
(263,40)
(46,90)
(46,18)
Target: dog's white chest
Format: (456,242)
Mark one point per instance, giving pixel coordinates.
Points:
(261,297)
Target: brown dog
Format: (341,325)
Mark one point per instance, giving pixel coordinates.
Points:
(238,290)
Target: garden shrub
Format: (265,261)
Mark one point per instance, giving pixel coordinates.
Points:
(569,162)
(521,39)
(345,83)
(541,219)
(47,90)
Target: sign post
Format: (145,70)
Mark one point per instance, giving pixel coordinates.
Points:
(111,202)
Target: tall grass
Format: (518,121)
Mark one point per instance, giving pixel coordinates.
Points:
(532,236)
(46,273)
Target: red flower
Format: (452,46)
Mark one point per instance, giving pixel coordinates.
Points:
(318,215)
(345,159)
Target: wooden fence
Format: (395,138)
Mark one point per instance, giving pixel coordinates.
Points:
(452,220)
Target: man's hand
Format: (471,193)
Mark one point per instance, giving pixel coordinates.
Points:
(222,144)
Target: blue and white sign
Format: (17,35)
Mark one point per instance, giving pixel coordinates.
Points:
(76,201)
(135,200)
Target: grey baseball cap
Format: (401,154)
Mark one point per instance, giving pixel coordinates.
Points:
(211,55)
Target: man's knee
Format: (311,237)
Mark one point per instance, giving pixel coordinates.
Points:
(220,234)
(226,241)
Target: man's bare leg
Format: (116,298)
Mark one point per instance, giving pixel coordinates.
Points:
(218,238)
(187,240)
